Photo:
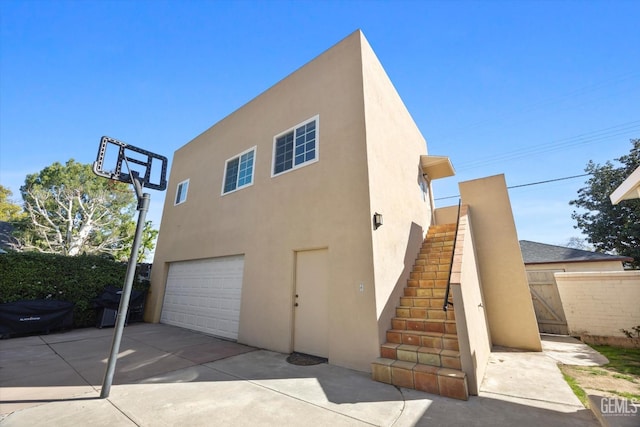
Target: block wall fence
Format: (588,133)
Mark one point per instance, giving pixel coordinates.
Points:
(600,303)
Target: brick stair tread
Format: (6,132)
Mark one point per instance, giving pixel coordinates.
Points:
(433,292)
(420,319)
(428,308)
(457,373)
(434,266)
(441,232)
(432,283)
(426,355)
(423,338)
(423,333)
(425,302)
(445,381)
(442,256)
(435,313)
(412,324)
(422,349)
(420,298)
(436,308)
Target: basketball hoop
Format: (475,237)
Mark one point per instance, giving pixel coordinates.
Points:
(134,159)
(138,164)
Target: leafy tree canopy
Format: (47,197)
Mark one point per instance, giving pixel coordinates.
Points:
(610,228)
(72,211)
(9,211)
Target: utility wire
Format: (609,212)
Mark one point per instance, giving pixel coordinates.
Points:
(548,180)
(560,144)
(575,94)
(527,185)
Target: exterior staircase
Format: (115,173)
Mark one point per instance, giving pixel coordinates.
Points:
(422,351)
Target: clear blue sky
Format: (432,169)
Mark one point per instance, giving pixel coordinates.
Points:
(533,90)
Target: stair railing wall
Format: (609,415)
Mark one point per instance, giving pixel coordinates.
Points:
(446,303)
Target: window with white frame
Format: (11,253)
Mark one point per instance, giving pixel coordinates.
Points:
(181,192)
(296,147)
(238,171)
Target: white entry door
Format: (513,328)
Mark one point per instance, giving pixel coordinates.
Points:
(311,328)
(204,295)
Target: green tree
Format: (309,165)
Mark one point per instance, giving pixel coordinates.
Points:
(147,243)
(72,211)
(608,227)
(9,211)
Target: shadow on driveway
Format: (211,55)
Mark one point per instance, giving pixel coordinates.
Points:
(169,376)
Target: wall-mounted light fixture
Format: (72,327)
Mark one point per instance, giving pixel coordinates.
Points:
(377,220)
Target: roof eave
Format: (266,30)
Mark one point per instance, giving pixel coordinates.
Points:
(629,189)
(436,167)
(572,261)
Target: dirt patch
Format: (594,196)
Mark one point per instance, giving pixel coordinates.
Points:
(603,381)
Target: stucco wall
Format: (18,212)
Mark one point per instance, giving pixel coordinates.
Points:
(396,187)
(446,215)
(512,321)
(323,205)
(468,302)
(600,303)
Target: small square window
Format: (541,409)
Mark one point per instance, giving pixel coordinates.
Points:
(239,171)
(181,192)
(296,147)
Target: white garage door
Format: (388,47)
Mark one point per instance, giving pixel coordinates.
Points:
(204,295)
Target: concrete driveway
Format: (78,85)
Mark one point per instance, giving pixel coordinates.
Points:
(170,376)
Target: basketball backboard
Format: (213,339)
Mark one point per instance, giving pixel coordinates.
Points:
(127,161)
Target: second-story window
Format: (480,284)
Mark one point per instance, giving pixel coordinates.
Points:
(296,147)
(181,192)
(239,171)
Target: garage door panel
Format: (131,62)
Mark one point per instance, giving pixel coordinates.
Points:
(205,295)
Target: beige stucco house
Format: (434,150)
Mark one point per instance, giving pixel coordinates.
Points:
(298,223)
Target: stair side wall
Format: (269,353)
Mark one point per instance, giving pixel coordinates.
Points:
(512,321)
(471,318)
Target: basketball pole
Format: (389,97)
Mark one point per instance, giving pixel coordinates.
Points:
(123,309)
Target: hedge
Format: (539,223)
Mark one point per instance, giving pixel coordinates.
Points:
(80,279)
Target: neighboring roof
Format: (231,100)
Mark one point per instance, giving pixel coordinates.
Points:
(7,241)
(542,253)
(629,189)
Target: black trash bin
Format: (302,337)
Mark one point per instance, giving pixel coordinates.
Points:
(108,302)
(35,316)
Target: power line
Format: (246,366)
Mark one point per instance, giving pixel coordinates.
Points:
(575,94)
(548,180)
(560,144)
(527,185)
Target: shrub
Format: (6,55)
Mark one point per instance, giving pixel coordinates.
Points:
(80,279)
(630,334)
